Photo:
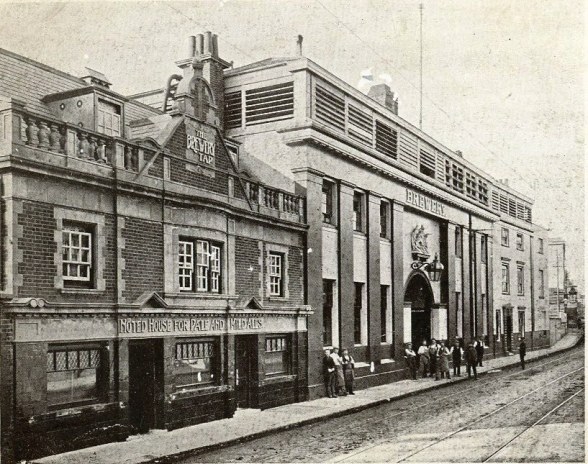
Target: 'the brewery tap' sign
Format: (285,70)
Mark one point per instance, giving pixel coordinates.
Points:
(200,145)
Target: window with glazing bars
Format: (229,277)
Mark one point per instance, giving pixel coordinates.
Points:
(76,253)
(471,185)
(483,192)
(505,278)
(386,140)
(72,375)
(108,118)
(276,274)
(195,363)
(203,257)
(357,310)
(327,201)
(520,280)
(277,356)
(504,237)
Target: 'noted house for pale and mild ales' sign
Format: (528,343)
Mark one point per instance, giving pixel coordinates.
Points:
(187,325)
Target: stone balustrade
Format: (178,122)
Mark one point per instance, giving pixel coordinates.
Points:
(274,199)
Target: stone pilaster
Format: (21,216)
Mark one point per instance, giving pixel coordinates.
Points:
(398,279)
(373,280)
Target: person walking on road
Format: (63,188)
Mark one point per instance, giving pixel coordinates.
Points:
(480,351)
(456,355)
(348,364)
(443,361)
(471,358)
(329,374)
(340,378)
(410,357)
(522,352)
(424,358)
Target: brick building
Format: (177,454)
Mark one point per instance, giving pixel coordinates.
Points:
(151,278)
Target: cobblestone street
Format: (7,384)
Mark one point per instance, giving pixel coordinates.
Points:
(509,415)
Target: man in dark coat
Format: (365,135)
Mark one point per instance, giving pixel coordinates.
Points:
(410,357)
(329,374)
(471,358)
(480,351)
(522,351)
(433,348)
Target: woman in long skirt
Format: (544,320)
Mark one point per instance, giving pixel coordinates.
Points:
(443,361)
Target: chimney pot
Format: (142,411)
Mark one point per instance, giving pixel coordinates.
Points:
(384,96)
(199,44)
(299,45)
(208,43)
(191,46)
(215,45)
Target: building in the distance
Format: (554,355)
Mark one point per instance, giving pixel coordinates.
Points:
(145,284)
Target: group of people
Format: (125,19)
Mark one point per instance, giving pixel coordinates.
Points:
(338,373)
(433,359)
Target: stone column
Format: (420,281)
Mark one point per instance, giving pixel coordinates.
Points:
(312,181)
(346,282)
(478,285)
(373,278)
(490,288)
(467,282)
(448,285)
(398,279)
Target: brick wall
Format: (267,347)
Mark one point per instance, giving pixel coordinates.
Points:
(295,275)
(38,249)
(143,255)
(246,255)
(156,168)
(6,387)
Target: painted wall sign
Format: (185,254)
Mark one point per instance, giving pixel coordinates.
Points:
(201,147)
(185,325)
(425,203)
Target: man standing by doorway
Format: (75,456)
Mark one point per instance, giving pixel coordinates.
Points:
(329,374)
(471,358)
(480,351)
(522,352)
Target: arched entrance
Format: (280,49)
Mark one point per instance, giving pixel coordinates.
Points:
(420,297)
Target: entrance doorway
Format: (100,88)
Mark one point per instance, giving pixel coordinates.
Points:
(508,329)
(420,296)
(146,384)
(245,369)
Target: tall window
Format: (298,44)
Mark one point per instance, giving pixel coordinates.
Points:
(73,375)
(541,246)
(541,284)
(520,280)
(505,278)
(383,312)
(357,310)
(277,355)
(498,328)
(327,202)
(522,322)
(520,242)
(108,118)
(77,254)
(484,249)
(276,271)
(358,211)
(458,242)
(328,312)
(504,237)
(195,363)
(207,256)
(384,218)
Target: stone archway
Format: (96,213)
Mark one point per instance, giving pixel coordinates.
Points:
(418,296)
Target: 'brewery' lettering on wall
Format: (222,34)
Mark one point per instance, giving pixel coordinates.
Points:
(202,148)
(425,203)
(185,325)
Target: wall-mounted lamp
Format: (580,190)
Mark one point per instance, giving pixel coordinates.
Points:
(434,268)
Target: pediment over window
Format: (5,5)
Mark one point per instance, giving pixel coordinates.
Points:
(248,303)
(151,300)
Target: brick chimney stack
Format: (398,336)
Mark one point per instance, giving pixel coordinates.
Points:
(384,96)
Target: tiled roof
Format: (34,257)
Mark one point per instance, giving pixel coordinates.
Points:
(29,81)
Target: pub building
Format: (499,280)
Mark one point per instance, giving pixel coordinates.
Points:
(152,272)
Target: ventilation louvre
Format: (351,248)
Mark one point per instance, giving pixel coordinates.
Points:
(329,108)
(268,104)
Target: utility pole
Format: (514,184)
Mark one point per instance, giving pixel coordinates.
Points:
(421,7)
(557,277)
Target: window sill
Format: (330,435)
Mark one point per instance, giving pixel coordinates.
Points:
(277,378)
(81,291)
(329,225)
(277,298)
(193,390)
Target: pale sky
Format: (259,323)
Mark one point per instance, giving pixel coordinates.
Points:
(503,79)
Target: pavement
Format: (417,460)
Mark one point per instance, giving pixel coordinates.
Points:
(163,446)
